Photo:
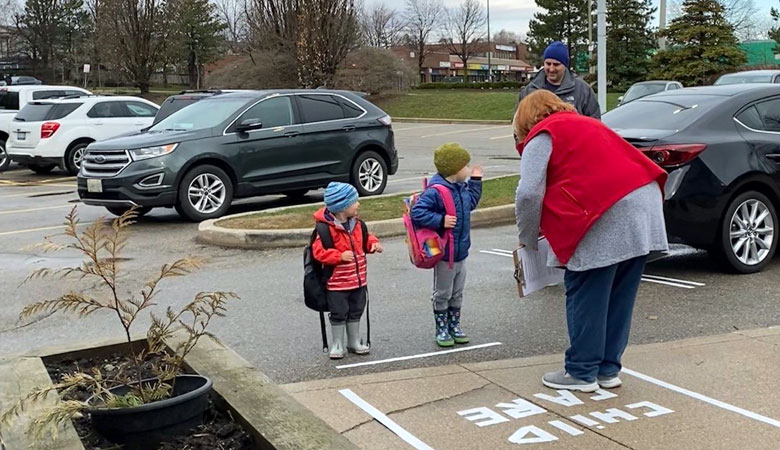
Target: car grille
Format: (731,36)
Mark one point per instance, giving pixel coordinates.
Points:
(104,163)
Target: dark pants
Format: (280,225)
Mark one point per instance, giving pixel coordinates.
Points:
(346,306)
(599,306)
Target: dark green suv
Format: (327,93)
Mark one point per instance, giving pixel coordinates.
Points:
(243,144)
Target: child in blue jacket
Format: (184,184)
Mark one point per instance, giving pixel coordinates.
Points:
(452,164)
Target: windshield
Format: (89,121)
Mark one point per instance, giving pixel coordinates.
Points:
(743,79)
(673,113)
(173,105)
(9,100)
(642,90)
(201,115)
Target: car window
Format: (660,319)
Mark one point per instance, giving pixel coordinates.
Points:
(770,114)
(38,112)
(72,92)
(138,109)
(642,90)
(673,113)
(202,115)
(673,87)
(172,105)
(9,100)
(751,119)
(273,112)
(351,110)
(43,95)
(743,79)
(320,108)
(106,110)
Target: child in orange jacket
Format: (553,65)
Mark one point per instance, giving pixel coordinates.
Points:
(347,286)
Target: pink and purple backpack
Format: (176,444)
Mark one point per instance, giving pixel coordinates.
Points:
(426,247)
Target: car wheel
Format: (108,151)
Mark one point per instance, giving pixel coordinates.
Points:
(74,157)
(119,210)
(42,169)
(747,236)
(369,174)
(5,161)
(205,193)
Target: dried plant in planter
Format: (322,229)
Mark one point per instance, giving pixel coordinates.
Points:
(102,245)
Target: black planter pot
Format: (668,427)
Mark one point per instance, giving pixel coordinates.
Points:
(144,427)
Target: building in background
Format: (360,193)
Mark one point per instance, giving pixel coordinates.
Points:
(508,62)
(760,53)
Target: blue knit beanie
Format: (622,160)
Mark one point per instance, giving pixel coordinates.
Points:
(340,196)
(558,52)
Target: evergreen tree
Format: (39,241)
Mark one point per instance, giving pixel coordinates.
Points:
(560,20)
(629,41)
(197,35)
(701,45)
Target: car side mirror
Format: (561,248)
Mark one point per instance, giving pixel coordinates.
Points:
(249,125)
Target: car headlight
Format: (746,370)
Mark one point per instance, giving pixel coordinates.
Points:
(152,152)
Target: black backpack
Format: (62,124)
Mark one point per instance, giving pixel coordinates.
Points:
(316,276)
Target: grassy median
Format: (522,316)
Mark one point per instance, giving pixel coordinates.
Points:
(496,192)
(458,104)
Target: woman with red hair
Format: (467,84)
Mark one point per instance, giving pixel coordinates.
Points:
(599,203)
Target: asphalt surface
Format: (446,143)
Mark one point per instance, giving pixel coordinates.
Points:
(270,326)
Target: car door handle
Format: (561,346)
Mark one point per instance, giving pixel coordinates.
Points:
(348,128)
(292,134)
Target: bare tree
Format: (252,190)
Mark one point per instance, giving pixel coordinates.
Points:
(465,31)
(381,26)
(136,29)
(316,34)
(508,37)
(423,18)
(234,15)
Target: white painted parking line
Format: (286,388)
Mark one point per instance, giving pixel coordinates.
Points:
(33,230)
(703,398)
(422,355)
(472,130)
(420,128)
(502,137)
(647,278)
(380,417)
(45,208)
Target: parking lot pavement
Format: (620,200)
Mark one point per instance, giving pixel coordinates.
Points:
(707,393)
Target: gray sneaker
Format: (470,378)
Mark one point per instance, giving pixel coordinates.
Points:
(562,380)
(609,382)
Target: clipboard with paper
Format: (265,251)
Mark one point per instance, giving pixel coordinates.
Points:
(531,271)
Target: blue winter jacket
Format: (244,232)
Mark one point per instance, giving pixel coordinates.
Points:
(429,212)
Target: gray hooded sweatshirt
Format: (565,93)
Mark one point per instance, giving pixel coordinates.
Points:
(573,90)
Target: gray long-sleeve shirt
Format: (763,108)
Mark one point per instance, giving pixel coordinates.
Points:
(632,227)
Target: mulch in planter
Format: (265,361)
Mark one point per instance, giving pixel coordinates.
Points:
(219,432)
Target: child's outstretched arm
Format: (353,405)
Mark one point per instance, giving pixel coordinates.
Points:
(475,191)
(373,244)
(327,256)
(425,213)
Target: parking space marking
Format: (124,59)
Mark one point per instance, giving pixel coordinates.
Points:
(673,282)
(703,398)
(502,137)
(380,417)
(419,128)
(33,230)
(45,208)
(421,355)
(464,131)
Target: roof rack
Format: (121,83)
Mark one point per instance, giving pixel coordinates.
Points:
(201,91)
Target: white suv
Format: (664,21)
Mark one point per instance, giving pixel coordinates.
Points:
(51,133)
(13,98)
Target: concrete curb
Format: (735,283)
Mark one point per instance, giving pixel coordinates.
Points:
(210,233)
(451,121)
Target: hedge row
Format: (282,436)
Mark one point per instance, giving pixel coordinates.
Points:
(495,85)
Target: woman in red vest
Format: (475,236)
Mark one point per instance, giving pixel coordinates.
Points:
(599,203)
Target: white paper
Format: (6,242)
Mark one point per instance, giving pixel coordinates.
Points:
(535,271)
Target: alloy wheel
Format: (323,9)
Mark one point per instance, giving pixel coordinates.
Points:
(752,231)
(78,156)
(371,175)
(206,193)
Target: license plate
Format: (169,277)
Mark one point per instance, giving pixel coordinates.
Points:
(95,186)
(21,136)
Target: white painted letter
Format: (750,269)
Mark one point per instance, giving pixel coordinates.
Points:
(540,436)
(612,415)
(565,427)
(657,410)
(588,422)
(603,395)
(564,398)
(486,415)
(520,408)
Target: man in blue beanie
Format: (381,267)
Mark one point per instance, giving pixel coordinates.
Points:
(558,79)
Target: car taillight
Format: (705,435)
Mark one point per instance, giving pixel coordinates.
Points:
(48,129)
(386,120)
(670,156)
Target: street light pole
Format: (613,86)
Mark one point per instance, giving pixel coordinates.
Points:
(602,54)
(662,24)
(590,37)
(490,47)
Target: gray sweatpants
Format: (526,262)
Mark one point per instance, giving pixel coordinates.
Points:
(448,285)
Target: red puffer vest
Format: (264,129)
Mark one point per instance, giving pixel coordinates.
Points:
(591,168)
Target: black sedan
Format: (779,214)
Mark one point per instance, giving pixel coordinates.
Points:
(721,147)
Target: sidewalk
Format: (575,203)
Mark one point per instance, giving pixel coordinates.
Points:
(718,392)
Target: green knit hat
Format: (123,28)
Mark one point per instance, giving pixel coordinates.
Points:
(450,158)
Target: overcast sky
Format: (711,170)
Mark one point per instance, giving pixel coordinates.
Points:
(514,15)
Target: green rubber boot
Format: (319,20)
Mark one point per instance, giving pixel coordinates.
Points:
(443,337)
(457,334)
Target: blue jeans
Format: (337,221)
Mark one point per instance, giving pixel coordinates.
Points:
(599,306)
